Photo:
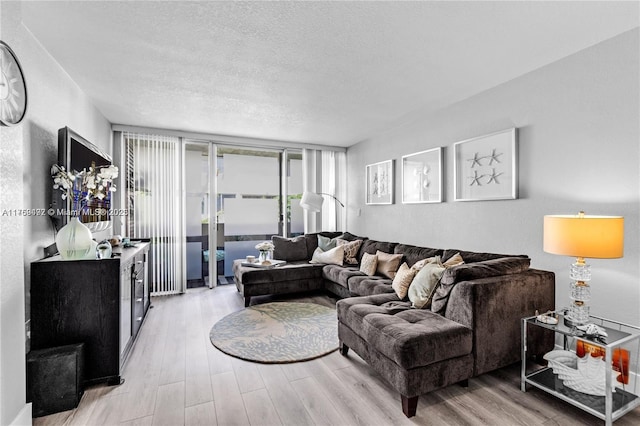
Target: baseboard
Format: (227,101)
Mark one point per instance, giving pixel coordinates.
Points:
(24,417)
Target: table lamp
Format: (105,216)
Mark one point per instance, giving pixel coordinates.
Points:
(580,236)
(313,201)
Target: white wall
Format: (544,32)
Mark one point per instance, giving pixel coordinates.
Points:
(27,152)
(578,121)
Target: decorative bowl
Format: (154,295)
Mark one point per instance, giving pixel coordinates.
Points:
(586,375)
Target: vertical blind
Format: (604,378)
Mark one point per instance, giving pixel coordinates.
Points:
(153,199)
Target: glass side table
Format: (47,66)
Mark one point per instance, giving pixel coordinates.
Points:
(619,398)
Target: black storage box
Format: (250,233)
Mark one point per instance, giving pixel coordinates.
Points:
(55,378)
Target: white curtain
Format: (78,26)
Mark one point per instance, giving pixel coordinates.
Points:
(325,172)
(153,200)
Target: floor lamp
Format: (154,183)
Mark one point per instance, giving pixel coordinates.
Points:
(580,236)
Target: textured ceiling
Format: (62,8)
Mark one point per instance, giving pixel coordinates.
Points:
(331,73)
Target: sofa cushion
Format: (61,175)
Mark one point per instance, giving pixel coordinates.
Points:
(350,250)
(412,254)
(472,256)
(372,246)
(410,337)
(290,249)
(288,272)
(334,256)
(475,271)
(402,280)
(340,274)
(369,264)
(350,237)
(365,285)
(388,264)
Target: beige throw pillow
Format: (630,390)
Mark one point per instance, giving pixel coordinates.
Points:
(388,264)
(424,285)
(334,256)
(454,260)
(368,264)
(402,280)
(350,250)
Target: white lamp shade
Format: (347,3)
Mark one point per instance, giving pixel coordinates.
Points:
(596,237)
(311,201)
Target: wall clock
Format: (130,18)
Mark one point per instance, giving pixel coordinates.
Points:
(13,89)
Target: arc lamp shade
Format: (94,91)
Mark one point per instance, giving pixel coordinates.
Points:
(311,201)
(595,237)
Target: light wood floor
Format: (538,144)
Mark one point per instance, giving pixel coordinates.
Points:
(174,376)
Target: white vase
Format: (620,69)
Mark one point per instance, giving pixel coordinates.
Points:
(74,240)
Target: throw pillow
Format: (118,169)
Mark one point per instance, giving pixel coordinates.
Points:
(420,263)
(424,285)
(326,243)
(350,250)
(368,264)
(455,260)
(335,256)
(388,264)
(289,249)
(402,280)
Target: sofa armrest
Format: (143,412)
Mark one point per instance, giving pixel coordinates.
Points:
(493,308)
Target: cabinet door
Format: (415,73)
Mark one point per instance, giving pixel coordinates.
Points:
(138,302)
(125,310)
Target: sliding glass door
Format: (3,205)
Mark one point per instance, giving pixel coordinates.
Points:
(203,205)
(197,177)
(257,197)
(248,200)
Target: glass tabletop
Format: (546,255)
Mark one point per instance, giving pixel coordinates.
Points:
(614,337)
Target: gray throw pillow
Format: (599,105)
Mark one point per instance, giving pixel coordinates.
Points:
(326,243)
(289,249)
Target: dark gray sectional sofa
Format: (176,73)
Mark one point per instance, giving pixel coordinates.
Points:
(472,327)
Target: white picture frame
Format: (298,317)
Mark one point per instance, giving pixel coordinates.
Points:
(422,177)
(379,183)
(486,167)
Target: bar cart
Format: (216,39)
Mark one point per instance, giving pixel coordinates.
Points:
(622,339)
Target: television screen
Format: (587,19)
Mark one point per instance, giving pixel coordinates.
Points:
(76,153)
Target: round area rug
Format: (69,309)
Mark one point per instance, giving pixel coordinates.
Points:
(278,332)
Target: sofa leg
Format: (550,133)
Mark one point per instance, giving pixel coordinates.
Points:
(343,349)
(409,405)
(464,383)
(247,301)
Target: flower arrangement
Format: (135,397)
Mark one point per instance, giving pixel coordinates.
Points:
(265,246)
(85,186)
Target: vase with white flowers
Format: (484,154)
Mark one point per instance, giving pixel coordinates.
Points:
(87,193)
(266,249)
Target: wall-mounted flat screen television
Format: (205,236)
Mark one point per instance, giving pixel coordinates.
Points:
(76,153)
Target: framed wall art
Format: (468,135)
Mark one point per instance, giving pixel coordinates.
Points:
(422,177)
(379,185)
(486,167)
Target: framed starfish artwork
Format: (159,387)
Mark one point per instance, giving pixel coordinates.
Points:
(379,183)
(422,177)
(486,167)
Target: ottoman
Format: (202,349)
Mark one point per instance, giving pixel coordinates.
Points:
(415,350)
(292,277)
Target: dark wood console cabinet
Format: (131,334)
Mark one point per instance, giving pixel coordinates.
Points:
(100,303)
